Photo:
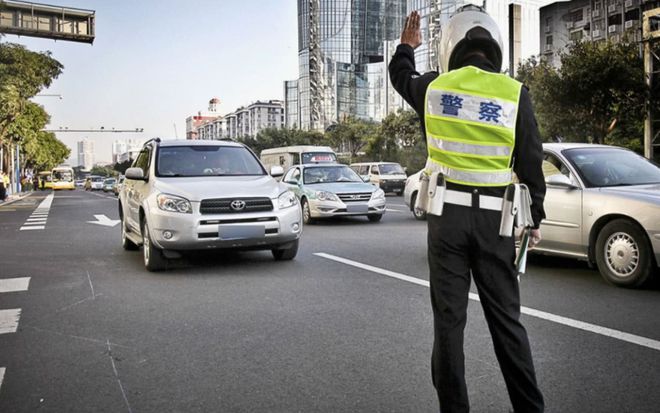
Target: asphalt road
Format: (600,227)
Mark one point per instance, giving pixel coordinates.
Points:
(339,329)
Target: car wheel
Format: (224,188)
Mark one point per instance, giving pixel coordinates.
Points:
(417,213)
(306,213)
(623,254)
(153,256)
(375,217)
(126,243)
(286,254)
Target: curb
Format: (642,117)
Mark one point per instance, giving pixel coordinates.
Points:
(16,199)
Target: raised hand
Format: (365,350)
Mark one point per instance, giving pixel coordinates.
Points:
(412,35)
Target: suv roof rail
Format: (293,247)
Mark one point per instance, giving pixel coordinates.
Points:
(157,140)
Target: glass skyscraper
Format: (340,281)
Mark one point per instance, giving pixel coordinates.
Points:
(341,54)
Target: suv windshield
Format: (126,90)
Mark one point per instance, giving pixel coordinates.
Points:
(330,174)
(212,160)
(390,169)
(600,167)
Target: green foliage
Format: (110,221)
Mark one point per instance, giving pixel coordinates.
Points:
(275,138)
(597,95)
(399,139)
(121,167)
(23,74)
(42,150)
(103,171)
(351,136)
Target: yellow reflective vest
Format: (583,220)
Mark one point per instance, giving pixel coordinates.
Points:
(470,119)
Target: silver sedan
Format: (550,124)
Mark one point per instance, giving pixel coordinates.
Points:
(603,205)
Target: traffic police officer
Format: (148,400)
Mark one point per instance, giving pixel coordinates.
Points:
(480,128)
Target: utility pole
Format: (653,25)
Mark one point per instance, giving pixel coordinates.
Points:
(650,35)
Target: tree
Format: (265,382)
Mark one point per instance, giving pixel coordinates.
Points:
(399,139)
(42,150)
(103,171)
(598,94)
(351,135)
(23,74)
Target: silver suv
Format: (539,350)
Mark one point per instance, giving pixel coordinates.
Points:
(198,195)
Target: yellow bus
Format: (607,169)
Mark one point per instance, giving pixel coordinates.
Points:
(62,178)
(45,180)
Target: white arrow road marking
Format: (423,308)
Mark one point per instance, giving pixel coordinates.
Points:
(105,221)
(9,320)
(593,328)
(10,285)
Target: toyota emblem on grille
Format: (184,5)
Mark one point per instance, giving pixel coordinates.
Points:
(237,205)
(353,197)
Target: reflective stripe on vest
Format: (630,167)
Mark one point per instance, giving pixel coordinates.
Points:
(470,118)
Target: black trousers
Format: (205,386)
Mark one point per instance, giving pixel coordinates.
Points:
(466,241)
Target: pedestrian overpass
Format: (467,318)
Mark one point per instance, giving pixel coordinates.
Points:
(24,18)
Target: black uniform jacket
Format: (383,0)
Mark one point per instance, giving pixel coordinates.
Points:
(527,152)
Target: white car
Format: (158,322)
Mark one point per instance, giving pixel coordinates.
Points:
(410,195)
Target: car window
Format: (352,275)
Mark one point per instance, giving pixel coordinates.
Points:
(391,169)
(211,160)
(142,161)
(374,170)
(330,174)
(609,166)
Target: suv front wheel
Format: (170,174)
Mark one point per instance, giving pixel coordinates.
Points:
(153,256)
(286,254)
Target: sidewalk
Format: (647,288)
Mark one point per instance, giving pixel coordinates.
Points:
(15,197)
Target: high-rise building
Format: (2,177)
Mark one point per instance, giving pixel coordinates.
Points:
(86,154)
(339,42)
(122,149)
(565,22)
(244,121)
(193,122)
(344,47)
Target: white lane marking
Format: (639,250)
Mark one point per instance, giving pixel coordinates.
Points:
(90,285)
(570,322)
(104,221)
(30,228)
(2,375)
(34,223)
(45,204)
(37,219)
(10,285)
(9,320)
(39,216)
(114,368)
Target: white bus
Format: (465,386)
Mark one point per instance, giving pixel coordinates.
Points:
(287,156)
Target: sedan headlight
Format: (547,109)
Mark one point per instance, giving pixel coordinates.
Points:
(174,203)
(326,196)
(286,200)
(378,194)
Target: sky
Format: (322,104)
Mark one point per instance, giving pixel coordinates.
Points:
(155,62)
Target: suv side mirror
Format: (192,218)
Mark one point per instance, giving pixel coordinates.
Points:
(276,171)
(135,173)
(560,180)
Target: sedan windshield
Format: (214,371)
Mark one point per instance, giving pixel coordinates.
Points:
(326,174)
(390,169)
(187,161)
(602,167)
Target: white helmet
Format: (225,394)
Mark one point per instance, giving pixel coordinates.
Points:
(468,29)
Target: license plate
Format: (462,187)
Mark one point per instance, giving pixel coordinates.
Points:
(230,232)
(357,209)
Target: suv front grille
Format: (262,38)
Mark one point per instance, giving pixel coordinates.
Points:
(224,205)
(357,197)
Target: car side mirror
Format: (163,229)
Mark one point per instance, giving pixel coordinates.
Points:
(135,173)
(560,180)
(276,171)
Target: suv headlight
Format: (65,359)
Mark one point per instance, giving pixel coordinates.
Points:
(326,196)
(173,203)
(286,200)
(378,194)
